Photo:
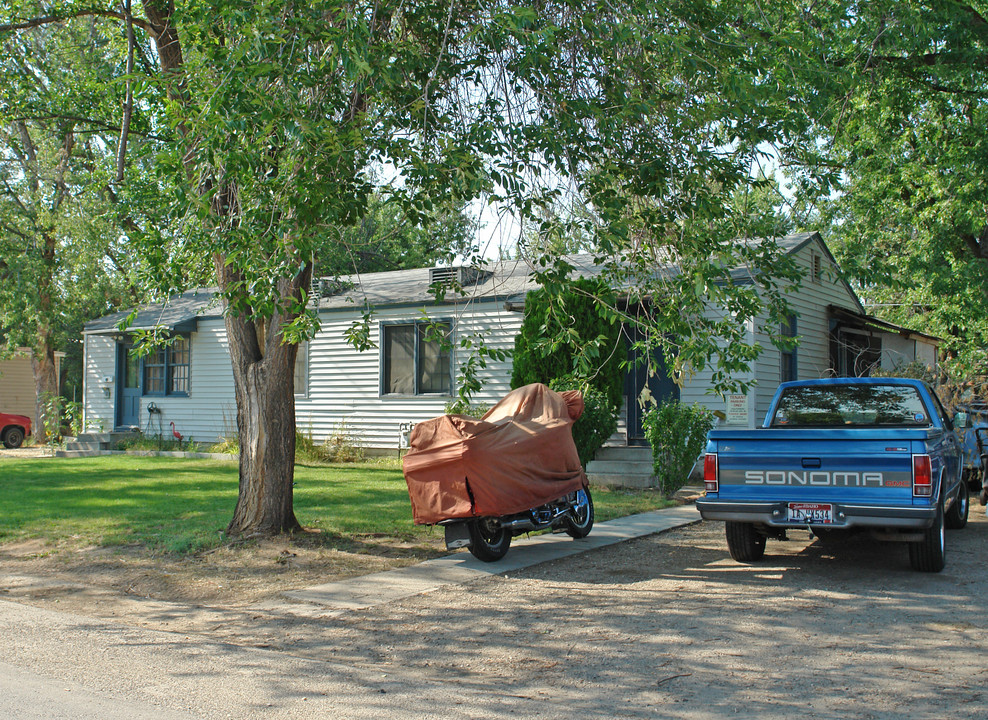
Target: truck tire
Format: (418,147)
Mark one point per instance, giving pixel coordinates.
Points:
(929,554)
(956,517)
(745,543)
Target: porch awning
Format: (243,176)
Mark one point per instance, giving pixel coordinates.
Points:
(868,322)
(178,314)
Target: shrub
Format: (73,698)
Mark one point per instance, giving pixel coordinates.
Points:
(342,446)
(571,333)
(598,422)
(677,434)
(462,407)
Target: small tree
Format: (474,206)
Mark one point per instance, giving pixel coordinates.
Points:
(598,421)
(572,333)
(677,434)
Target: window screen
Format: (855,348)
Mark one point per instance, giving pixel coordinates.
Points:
(416,359)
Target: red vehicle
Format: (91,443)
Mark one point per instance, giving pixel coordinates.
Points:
(13,429)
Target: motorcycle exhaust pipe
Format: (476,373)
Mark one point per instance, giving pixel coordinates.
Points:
(527,524)
(519,525)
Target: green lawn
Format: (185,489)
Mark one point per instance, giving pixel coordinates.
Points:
(177,505)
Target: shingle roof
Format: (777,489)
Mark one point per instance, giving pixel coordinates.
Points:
(506,280)
(179,313)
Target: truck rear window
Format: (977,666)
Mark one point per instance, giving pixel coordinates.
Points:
(851,406)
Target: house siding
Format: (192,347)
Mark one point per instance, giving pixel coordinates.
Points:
(209,411)
(17,388)
(809,301)
(206,414)
(100,362)
(344,389)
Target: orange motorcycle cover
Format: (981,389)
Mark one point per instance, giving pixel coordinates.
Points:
(520,455)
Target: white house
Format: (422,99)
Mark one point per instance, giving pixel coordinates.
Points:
(373,396)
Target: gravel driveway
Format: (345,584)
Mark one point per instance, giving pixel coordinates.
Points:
(664,626)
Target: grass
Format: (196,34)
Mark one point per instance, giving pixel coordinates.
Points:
(181,506)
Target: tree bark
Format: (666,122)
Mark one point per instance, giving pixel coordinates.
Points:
(266,427)
(45,386)
(264,381)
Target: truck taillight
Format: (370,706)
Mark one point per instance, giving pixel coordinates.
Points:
(710,483)
(922,476)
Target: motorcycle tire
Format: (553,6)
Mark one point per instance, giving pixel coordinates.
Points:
(579,521)
(489,541)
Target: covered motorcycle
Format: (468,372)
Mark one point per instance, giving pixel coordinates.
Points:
(514,470)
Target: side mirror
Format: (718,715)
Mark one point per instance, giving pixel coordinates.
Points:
(962,420)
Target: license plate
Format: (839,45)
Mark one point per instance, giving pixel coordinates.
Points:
(811,513)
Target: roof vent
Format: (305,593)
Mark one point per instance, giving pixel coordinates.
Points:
(327,287)
(459,275)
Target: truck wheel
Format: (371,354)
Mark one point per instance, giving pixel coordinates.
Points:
(13,437)
(745,543)
(956,517)
(929,554)
(488,540)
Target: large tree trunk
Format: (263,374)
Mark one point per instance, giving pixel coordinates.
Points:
(266,426)
(45,385)
(264,379)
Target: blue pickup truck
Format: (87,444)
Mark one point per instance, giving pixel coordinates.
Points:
(841,455)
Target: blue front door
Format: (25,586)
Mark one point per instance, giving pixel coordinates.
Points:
(642,374)
(128,387)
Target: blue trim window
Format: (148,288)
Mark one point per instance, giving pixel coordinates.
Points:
(788,368)
(416,358)
(167,370)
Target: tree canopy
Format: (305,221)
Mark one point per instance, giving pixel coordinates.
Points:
(895,156)
(268,126)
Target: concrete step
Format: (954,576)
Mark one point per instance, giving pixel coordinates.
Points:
(86,446)
(629,453)
(621,480)
(620,466)
(77,453)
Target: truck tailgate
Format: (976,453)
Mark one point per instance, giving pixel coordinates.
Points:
(858,466)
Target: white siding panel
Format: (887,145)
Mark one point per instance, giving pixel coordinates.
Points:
(209,413)
(810,301)
(101,362)
(344,385)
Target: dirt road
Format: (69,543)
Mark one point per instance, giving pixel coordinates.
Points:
(664,626)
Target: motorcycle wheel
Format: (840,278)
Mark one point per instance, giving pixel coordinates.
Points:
(579,520)
(488,540)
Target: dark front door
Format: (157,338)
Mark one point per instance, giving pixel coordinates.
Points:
(128,387)
(642,374)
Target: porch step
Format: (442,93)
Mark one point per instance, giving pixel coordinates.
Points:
(90,444)
(622,467)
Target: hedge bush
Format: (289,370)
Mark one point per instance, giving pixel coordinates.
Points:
(677,434)
(598,422)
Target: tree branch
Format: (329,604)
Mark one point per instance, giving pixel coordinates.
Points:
(55,19)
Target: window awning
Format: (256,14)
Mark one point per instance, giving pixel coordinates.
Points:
(868,322)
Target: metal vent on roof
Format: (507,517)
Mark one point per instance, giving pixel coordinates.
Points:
(458,275)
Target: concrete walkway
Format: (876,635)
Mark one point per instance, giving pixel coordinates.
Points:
(369,590)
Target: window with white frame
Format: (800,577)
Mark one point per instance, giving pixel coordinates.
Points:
(416,358)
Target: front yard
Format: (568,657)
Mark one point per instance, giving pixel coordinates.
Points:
(110,530)
(181,506)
